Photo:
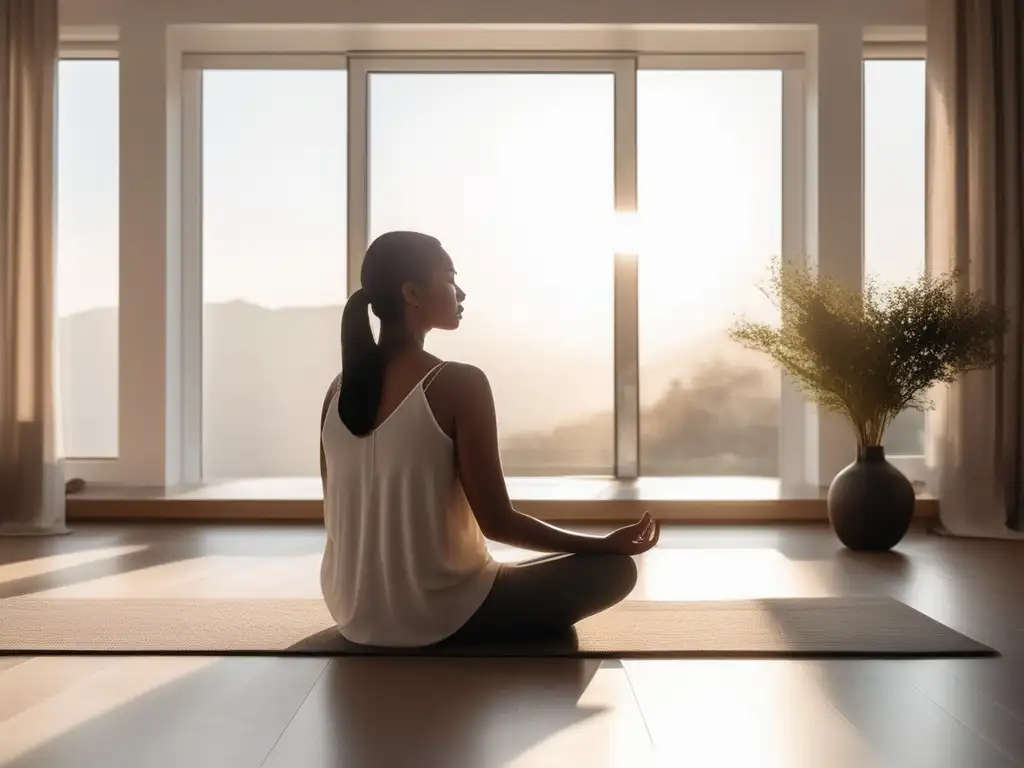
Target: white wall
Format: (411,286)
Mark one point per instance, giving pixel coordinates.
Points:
(116,12)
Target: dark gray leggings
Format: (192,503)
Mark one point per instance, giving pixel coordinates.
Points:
(547,596)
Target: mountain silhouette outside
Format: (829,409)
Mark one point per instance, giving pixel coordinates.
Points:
(266,371)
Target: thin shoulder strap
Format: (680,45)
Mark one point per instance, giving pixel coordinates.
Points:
(432,374)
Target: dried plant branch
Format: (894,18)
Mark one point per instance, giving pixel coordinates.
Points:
(870,354)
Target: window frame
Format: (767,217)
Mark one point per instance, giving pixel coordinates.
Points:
(623,70)
(182,397)
(914,466)
(792,406)
(191,316)
(101,469)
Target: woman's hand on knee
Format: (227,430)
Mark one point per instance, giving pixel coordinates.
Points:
(634,539)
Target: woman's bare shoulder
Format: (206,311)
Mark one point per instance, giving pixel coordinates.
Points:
(331,390)
(462,389)
(464,376)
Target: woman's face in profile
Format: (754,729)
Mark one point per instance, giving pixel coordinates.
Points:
(441,303)
(449,299)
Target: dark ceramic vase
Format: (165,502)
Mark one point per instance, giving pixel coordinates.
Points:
(870,503)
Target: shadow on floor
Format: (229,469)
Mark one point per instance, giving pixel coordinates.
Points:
(431,712)
(448,713)
(95,552)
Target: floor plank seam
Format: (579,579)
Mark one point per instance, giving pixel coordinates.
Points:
(294,715)
(970,728)
(639,706)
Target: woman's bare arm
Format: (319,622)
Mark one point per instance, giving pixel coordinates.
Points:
(323,420)
(476,444)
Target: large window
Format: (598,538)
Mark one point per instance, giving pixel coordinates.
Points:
(894,195)
(518,165)
(709,168)
(274,267)
(87,256)
(515,174)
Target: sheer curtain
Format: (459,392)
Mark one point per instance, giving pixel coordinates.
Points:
(975,170)
(31,481)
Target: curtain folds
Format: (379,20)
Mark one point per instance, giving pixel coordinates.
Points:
(975,137)
(31,476)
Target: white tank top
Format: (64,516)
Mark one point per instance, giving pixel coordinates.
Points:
(405,562)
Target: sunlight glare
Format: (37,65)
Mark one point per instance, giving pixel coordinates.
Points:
(729,574)
(625,233)
(604,721)
(105,694)
(43,566)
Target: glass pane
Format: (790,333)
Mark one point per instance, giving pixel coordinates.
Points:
(710,197)
(87,253)
(274,276)
(894,196)
(515,174)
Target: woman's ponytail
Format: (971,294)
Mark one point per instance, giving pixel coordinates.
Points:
(392,260)
(362,367)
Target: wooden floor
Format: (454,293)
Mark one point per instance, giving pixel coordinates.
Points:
(190,712)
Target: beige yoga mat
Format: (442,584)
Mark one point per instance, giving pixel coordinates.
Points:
(785,627)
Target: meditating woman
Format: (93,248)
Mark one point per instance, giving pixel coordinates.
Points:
(413,483)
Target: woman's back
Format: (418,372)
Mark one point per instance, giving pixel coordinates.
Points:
(405,563)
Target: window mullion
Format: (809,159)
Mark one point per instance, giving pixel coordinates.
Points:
(626,314)
(358,167)
(793,411)
(192,276)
